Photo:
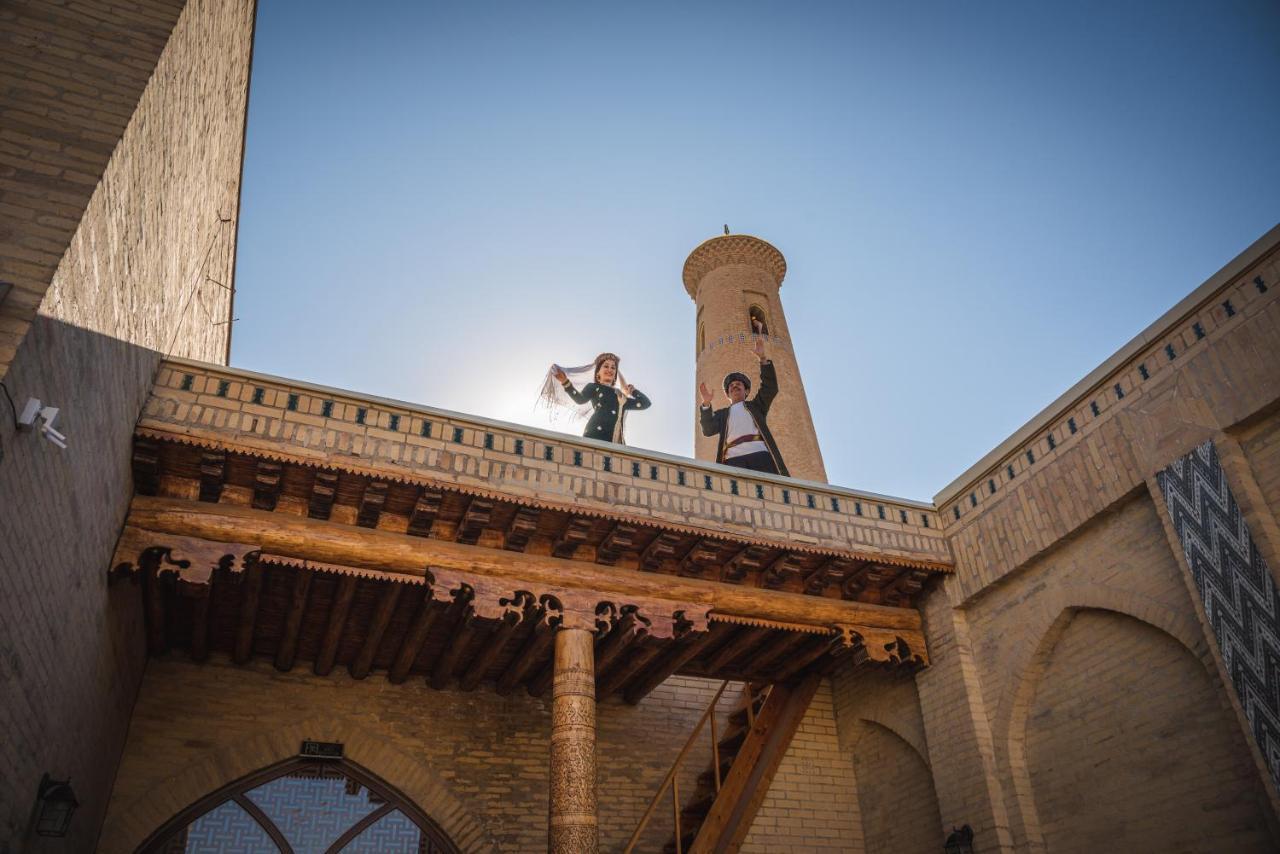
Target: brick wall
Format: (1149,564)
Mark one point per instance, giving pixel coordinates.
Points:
(811,805)
(895,794)
(480,759)
(71,78)
(1127,739)
(130,287)
(881,729)
(1078,463)
(1068,641)
(1261,444)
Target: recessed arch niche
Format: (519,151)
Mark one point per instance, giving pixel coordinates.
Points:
(303,805)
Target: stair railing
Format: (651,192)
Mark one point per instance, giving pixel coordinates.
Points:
(672,781)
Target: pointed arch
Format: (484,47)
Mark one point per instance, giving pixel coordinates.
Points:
(416,780)
(1066,605)
(897,801)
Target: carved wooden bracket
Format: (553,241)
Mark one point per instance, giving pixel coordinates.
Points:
(523,526)
(192,560)
(495,598)
(425,510)
(886,646)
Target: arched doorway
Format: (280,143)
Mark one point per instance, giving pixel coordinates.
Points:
(302,806)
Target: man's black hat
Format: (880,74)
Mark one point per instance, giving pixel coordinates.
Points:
(735,375)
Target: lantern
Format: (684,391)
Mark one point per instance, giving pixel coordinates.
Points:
(57,803)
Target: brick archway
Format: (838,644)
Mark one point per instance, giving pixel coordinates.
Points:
(1064,604)
(224,765)
(897,801)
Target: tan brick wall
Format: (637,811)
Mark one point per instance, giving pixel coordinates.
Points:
(881,729)
(896,800)
(811,805)
(1130,748)
(1062,479)
(71,77)
(477,762)
(130,284)
(1261,443)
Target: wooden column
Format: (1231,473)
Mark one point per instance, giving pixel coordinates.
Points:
(572,824)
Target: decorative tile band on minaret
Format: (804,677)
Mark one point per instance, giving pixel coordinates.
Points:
(734,281)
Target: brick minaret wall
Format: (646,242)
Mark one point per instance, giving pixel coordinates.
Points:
(726,276)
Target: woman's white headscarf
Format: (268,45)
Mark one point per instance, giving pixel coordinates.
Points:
(557,400)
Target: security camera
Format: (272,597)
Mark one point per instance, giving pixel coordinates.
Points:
(36,416)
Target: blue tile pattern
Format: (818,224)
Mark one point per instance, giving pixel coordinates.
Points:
(312,812)
(228,828)
(394,833)
(1235,585)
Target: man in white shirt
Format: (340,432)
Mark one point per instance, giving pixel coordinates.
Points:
(745,440)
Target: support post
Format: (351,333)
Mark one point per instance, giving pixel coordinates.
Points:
(572,825)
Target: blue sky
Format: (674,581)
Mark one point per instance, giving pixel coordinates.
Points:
(978,203)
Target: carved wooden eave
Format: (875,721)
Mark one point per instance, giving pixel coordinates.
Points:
(246,581)
(151,443)
(276,519)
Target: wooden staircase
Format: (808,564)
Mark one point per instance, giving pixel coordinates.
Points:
(744,759)
(726,750)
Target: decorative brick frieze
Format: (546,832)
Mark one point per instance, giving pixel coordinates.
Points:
(475,455)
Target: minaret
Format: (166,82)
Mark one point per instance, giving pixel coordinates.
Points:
(734,280)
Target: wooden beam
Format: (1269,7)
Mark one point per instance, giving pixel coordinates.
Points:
(371,503)
(803,658)
(855,580)
(775,574)
(780,648)
(748,560)
(523,526)
(251,589)
(377,627)
(744,789)
(201,606)
(414,638)
(902,590)
(474,520)
(293,621)
(703,555)
(157,641)
(267,480)
(213,474)
(639,658)
(324,488)
(680,654)
(146,466)
(619,540)
(498,638)
(533,652)
(337,620)
(746,638)
(816,581)
(575,533)
(461,633)
(625,632)
(329,542)
(425,511)
(659,551)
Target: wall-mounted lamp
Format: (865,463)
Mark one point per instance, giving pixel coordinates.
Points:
(960,841)
(56,803)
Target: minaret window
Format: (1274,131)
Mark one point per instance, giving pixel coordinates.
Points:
(758,320)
